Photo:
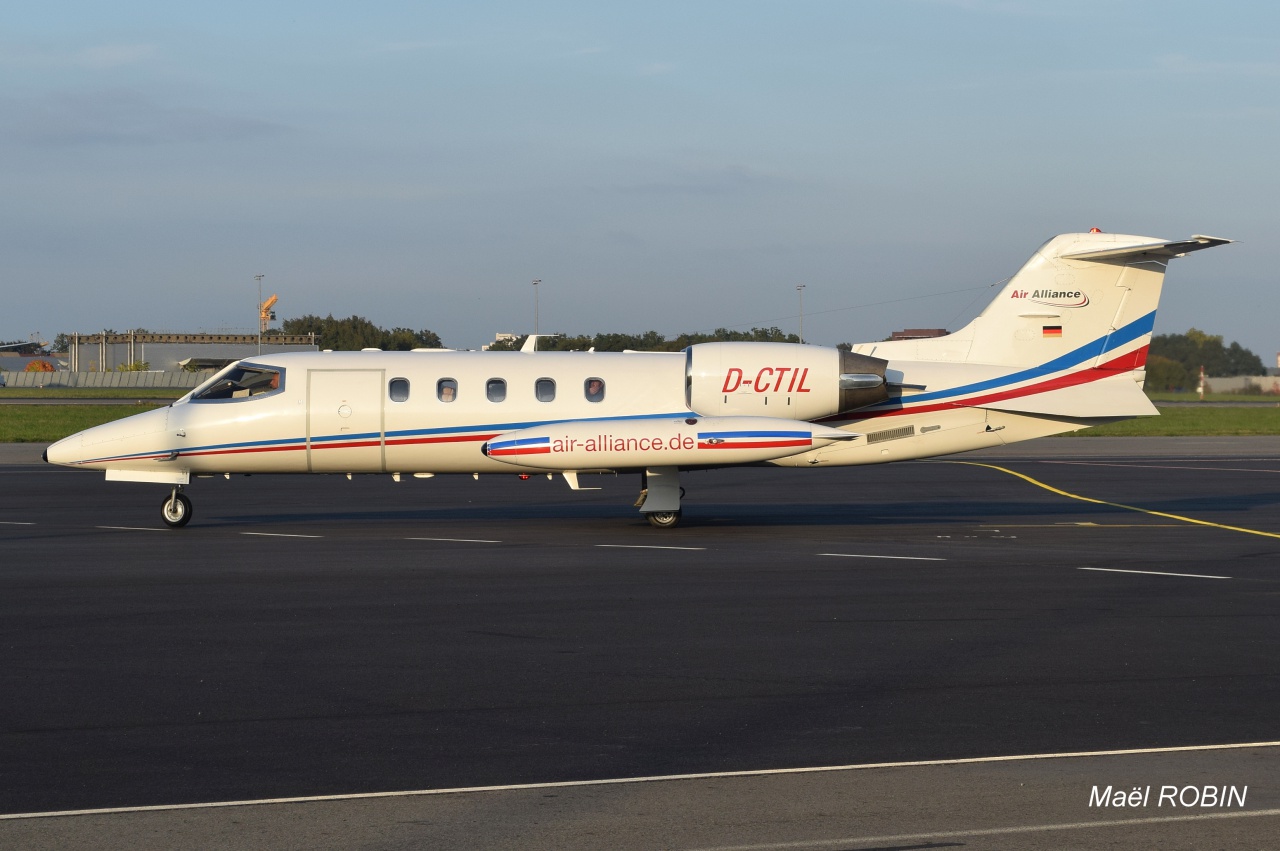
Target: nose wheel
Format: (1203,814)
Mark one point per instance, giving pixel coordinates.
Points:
(176,510)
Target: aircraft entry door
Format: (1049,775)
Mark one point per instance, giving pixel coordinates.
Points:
(344,420)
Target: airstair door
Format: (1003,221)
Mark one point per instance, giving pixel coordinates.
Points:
(345,421)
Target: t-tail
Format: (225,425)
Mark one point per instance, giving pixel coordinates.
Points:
(1065,339)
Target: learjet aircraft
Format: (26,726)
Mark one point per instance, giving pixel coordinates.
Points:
(1062,347)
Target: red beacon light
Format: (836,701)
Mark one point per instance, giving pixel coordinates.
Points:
(1094,230)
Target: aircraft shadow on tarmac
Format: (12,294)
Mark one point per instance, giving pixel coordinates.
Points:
(728,515)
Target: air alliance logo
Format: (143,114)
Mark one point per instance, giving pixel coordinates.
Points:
(1054,298)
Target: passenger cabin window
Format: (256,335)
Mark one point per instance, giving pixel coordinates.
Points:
(399,389)
(594,389)
(447,389)
(545,390)
(242,382)
(495,389)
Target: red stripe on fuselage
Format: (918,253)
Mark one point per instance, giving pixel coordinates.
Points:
(401,442)
(756,444)
(1122,364)
(462,438)
(243,450)
(355,444)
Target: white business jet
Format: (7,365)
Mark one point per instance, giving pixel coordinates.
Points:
(1062,347)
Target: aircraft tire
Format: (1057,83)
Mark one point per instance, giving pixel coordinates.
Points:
(663,519)
(179,514)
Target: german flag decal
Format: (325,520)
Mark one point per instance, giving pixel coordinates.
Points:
(1053,330)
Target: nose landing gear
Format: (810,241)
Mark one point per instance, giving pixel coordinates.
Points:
(176,509)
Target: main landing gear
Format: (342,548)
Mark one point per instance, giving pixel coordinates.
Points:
(176,509)
(663,519)
(660,494)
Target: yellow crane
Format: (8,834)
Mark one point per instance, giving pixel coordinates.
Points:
(265,314)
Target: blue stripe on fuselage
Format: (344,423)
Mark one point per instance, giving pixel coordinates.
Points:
(1100,346)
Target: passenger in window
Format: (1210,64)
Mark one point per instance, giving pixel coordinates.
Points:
(447,390)
(595,390)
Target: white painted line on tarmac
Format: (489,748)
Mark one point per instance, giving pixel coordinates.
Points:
(647,547)
(14,523)
(901,558)
(457,540)
(1165,467)
(132,528)
(849,841)
(662,778)
(1153,573)
(278,535)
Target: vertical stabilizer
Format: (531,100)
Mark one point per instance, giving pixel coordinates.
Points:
(1068,334)
(1057,304)
(1088,296)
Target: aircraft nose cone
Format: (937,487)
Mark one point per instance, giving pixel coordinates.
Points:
(65,451)
(44,456)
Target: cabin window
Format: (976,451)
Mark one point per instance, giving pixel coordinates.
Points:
(241,382)
(593,388)
(447,389)
(399,389)
(545,390)
(495,389)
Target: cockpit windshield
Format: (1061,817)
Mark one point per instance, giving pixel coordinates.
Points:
(241,381)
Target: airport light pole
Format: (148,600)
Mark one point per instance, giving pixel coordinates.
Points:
(800,289)
(536,281)
(259,278)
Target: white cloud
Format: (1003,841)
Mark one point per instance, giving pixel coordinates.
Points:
(1021,8)
(656,69)
(1178,63)
(97,58)
(117,117)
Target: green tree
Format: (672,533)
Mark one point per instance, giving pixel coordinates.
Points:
(1164,374)
(649,341)
(1196,348)
(356,332)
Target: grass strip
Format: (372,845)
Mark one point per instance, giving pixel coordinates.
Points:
(47,423)
(1163,396)
(1193,422)
(167,393)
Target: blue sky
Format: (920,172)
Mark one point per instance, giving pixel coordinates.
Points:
(667,166)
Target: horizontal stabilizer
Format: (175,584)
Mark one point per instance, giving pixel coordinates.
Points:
(1113,397)
(1161,250)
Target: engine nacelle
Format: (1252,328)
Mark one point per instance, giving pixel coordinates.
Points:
(780,380)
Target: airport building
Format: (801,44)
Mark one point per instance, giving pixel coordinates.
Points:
(176,352)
